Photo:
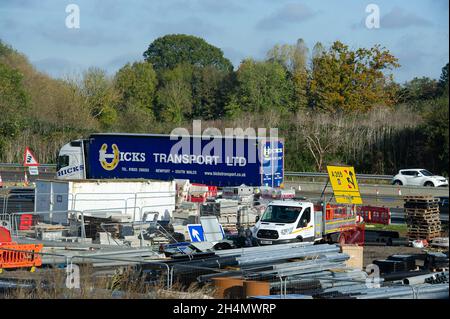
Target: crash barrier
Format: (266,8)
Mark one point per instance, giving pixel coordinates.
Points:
(375,215)
(13,255)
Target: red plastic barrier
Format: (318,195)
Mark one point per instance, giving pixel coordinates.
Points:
(5,235)
(212,192)
(26,221)
(375,215)
(353,236)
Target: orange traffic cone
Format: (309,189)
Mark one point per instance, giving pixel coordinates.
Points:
(26,179)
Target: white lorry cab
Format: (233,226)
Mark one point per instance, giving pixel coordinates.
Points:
(71,161)
(286,221)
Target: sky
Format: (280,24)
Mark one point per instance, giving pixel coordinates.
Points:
(112,33)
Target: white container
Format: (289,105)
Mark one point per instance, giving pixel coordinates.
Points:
(137,199)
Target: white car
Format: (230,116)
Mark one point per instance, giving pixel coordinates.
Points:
(418,177)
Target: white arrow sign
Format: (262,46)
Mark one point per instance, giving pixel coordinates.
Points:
(195,234)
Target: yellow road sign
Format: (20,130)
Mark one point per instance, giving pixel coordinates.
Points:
(344,184)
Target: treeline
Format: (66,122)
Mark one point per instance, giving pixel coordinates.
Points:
(331,104)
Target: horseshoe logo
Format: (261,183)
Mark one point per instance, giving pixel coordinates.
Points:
(109,166)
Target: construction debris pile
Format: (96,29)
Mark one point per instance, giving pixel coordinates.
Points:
(303,271)
(422,217)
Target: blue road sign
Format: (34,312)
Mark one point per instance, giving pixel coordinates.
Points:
(197,234)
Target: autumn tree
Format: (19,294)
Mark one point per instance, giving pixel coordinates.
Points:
(351,80)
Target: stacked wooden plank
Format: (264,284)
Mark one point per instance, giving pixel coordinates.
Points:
(422,217)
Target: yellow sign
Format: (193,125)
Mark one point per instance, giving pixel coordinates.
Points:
(344,184)
(109,166)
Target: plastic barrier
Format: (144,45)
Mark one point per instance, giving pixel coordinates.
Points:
(201,198)
(5,235)
(353,236)
(375,215)
(13,255)
(26,221)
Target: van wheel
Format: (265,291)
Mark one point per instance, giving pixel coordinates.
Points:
(300,239)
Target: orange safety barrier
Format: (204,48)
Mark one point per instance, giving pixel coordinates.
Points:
(26,221)
(336,211)
(13,255)
(375,215)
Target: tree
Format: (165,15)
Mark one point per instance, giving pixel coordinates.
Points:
(443,81)
(436,128)
(419,89)
(348,80)
(100,96)
(174,97)
(261,86)
(207,94)
(294,59)
(170,50)
(136,86)
(13,102)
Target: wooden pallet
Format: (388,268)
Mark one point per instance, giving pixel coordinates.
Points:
(423,225)
(427,237)
(422,210)
(419,197)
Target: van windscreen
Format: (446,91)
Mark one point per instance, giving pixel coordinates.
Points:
(281,214)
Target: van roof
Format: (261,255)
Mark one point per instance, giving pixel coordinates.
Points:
(289,203)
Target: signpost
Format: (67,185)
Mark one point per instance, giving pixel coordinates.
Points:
(197,233)
(344,184)
(30,161)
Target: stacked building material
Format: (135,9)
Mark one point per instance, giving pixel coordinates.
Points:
(422,217)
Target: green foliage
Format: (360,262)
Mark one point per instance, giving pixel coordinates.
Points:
(170,50)
(174,97)
(262,86)
(136,86)
(340,107)
(294,59)
(443,81)
(436,131)
(419,89)
(100,96)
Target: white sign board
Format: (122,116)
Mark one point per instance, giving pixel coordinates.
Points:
(34,170)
